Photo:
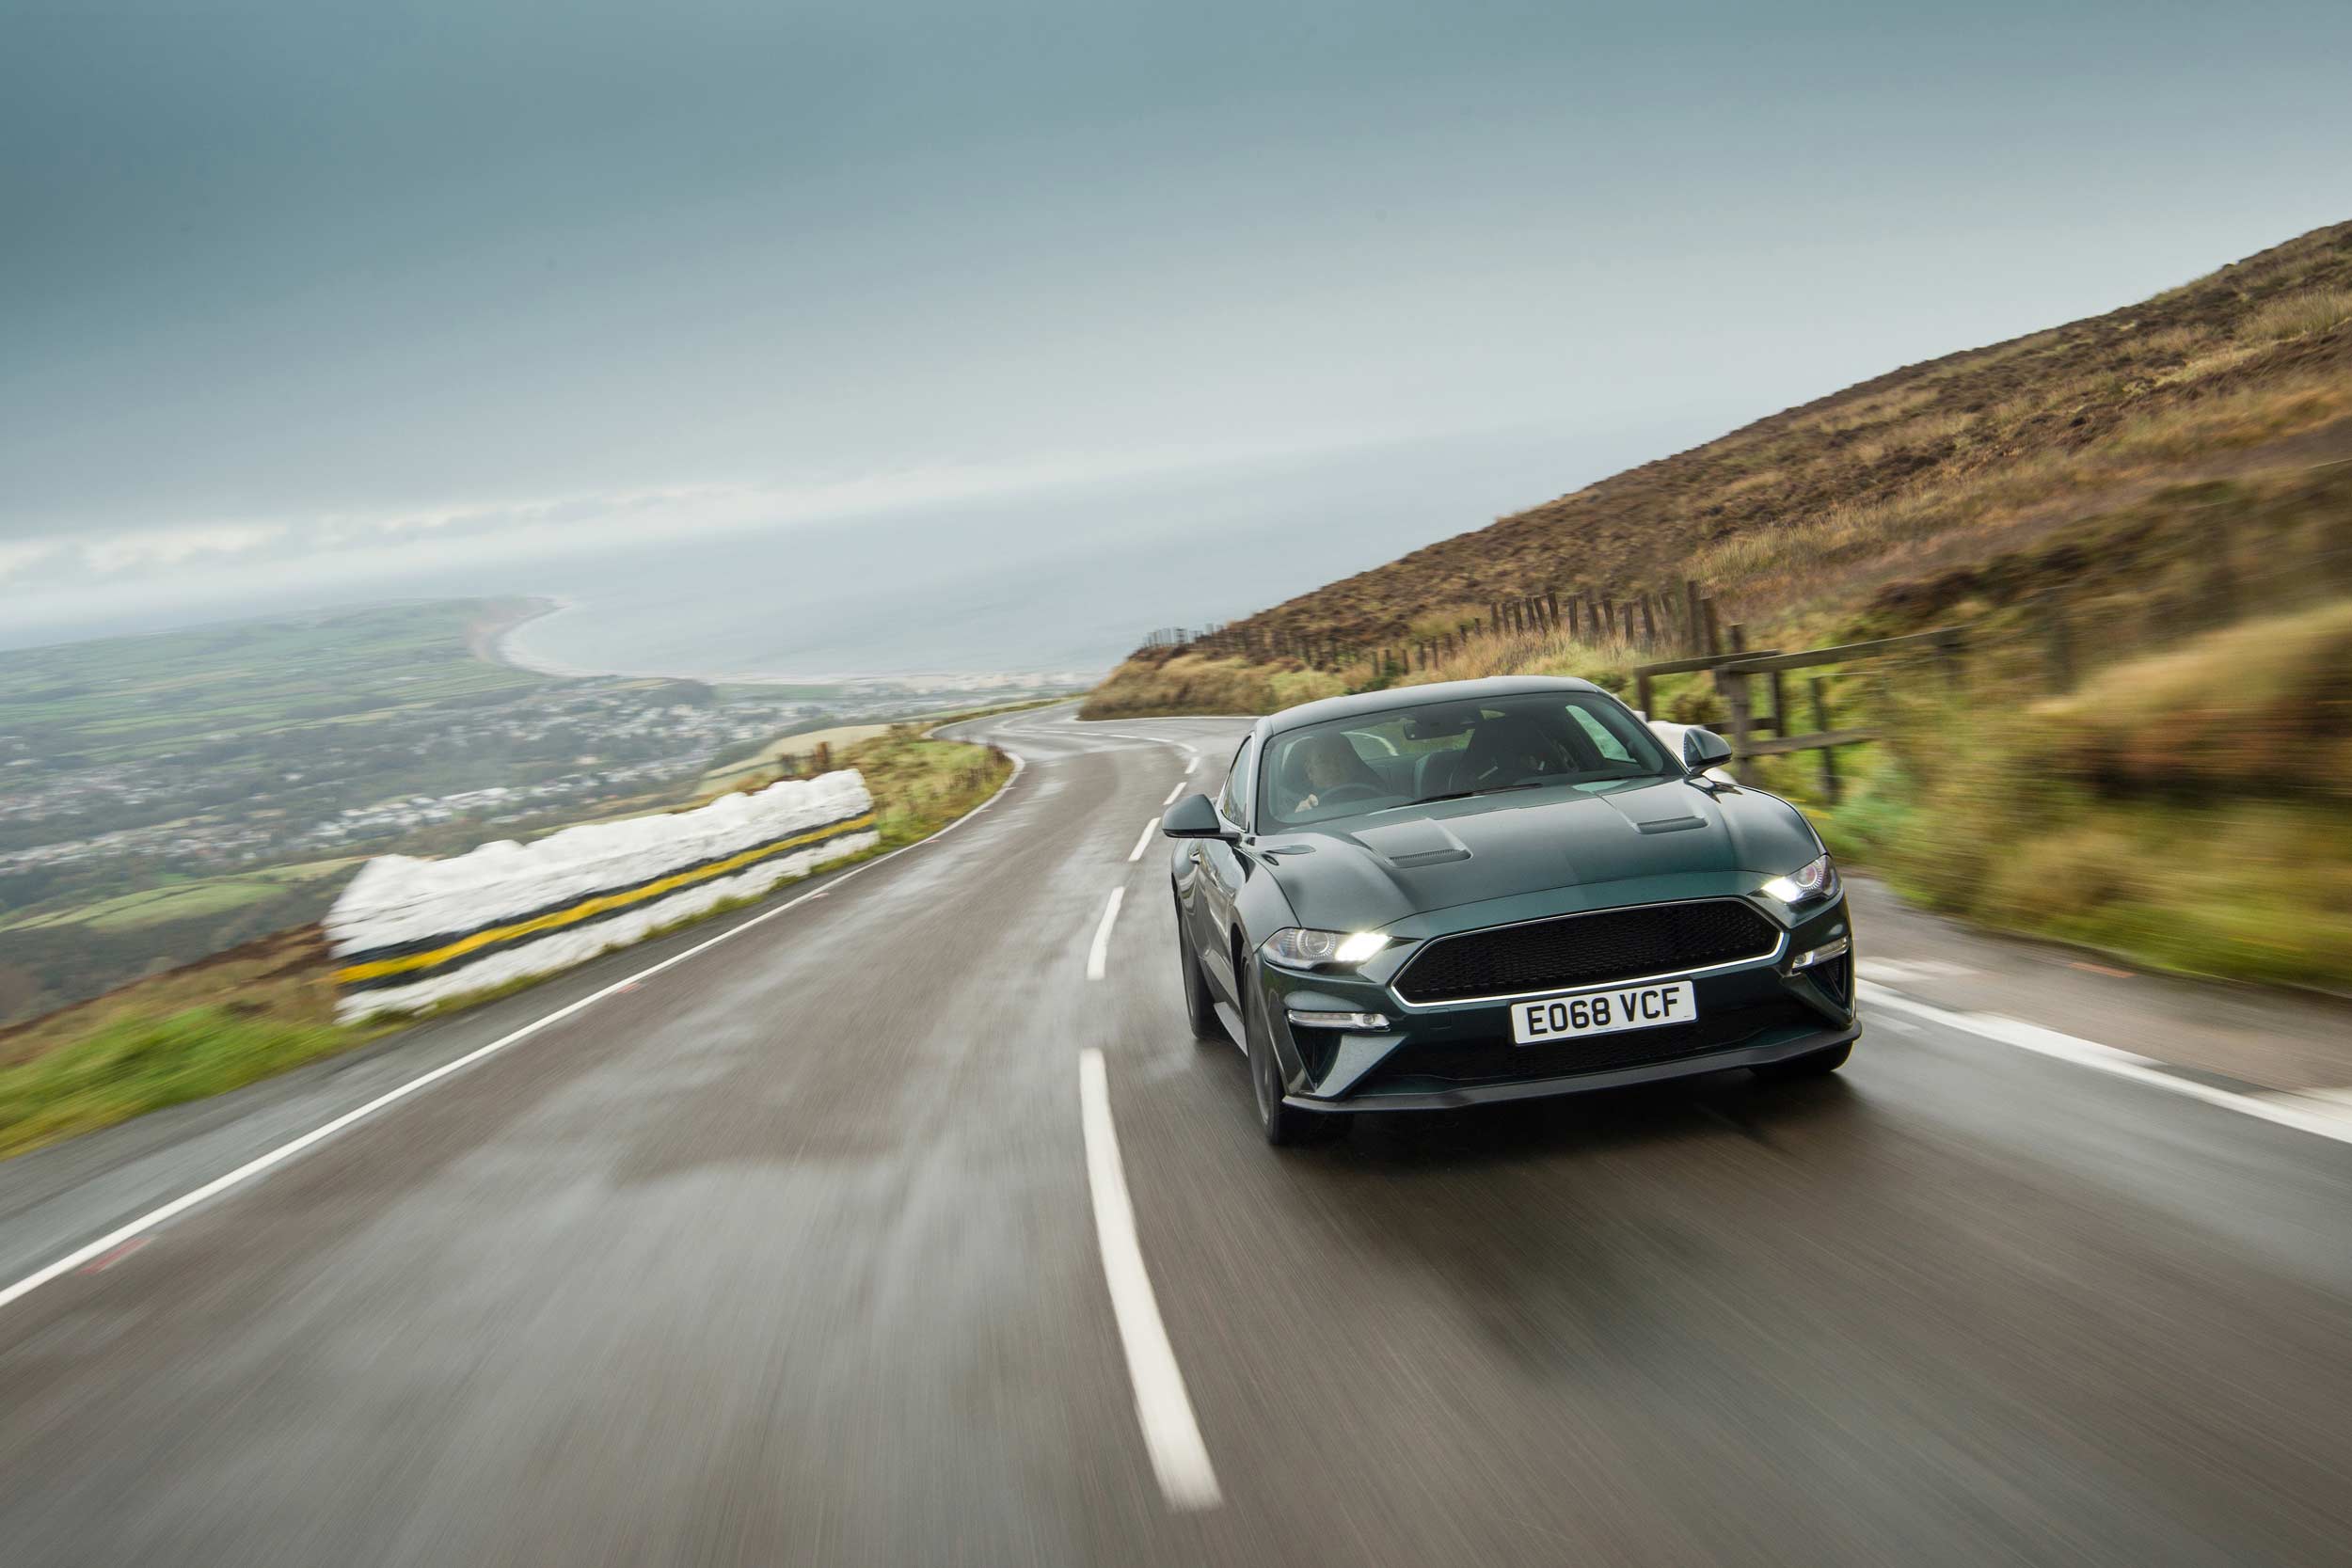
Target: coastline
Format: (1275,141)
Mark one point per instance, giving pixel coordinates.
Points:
(497,639)
(499,645)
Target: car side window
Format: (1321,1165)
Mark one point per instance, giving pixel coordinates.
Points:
(1606,744)
(1235,799)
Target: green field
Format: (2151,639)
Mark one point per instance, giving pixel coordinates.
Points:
(129,699)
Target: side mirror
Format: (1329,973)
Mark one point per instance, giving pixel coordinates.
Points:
(1193,817)
(1704,748)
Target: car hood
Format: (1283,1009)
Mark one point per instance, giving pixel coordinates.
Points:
(1362,873)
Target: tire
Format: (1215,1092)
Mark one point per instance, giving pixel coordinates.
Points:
(1200,1006)
(1813,1063)
(1285,1126)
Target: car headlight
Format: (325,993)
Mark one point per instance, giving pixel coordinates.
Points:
(1297,948)
(1814,880)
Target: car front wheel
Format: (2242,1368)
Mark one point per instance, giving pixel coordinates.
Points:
(1284,1126)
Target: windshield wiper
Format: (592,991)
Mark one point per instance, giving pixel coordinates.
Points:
(1490,789)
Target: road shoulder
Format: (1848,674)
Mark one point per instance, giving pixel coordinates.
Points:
(2259,1040)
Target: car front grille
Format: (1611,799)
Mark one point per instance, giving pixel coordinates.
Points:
(1586,950)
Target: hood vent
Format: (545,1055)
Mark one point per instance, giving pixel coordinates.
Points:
(1407,844)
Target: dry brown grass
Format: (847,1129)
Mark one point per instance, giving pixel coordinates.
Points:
(2304,314)
(1192,683)
(2260,708)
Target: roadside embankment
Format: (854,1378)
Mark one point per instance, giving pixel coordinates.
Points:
(1166,681)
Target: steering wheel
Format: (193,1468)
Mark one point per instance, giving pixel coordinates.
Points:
(1354,791)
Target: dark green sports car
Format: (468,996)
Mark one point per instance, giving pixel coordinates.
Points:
(1490,889)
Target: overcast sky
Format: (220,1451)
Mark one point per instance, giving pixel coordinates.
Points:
(301,300)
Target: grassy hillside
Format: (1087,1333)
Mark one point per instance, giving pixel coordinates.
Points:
(2156,504)
(2243,375)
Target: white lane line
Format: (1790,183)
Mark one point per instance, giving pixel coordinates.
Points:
(1145,842)
(1098,955)
(1897,971)
(1192,762)
(285,1151)
(1179,1457)
(1173,793)
(2108,1059)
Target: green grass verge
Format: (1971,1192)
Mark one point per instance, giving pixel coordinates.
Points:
(137,1065)
(2184,811)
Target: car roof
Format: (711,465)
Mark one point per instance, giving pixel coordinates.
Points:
(1416,696)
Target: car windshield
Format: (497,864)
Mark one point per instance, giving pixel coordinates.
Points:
(1411,754)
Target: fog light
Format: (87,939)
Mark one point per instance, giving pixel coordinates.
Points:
(1339,1020)
(1821,954)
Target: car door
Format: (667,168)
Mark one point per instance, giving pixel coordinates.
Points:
(1221,869)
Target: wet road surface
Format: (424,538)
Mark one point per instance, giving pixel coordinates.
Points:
(791,1254)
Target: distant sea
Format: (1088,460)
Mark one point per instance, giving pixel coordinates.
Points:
(1067,583)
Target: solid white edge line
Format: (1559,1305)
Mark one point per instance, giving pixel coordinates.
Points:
(1178,1458)
(284,1151)
(1145,842)
(2106,1059)
(1173,793)
(1099,954)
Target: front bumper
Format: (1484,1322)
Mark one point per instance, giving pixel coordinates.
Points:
(1439,1056)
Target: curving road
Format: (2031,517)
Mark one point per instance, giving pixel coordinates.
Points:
(817,1246)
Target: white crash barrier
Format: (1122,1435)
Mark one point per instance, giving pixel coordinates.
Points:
(408,933)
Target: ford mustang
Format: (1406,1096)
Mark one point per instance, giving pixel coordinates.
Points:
(1483,891)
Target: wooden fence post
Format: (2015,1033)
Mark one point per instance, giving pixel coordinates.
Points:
(1694,628)
(1649,625)
(1712,642)
(1551,606)
(1829,754)
(1734,685)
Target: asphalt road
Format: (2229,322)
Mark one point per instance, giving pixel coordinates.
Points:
(796,1252)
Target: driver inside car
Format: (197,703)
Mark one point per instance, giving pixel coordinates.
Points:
(1509,749)
(1322,763)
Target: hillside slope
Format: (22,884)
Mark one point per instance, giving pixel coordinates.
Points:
(2244,370)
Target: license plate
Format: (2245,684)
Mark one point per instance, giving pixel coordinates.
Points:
(1603,1012)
